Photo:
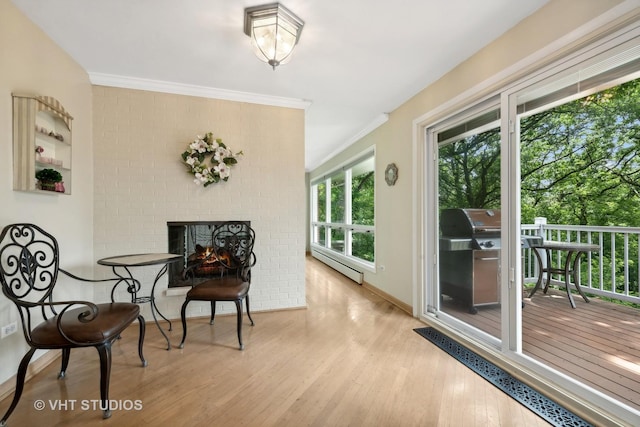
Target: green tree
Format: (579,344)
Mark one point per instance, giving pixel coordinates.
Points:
(469,172)
(362,213)
(579,161)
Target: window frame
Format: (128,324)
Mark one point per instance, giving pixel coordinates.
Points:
(346,226)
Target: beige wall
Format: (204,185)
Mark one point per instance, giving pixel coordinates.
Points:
(141,183)
(32,63)
(395,210)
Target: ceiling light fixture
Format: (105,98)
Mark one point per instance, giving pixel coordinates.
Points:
(274,32)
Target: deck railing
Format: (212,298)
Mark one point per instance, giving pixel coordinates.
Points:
(613,272)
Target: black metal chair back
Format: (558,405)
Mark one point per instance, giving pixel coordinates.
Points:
(29,266)
(233,246)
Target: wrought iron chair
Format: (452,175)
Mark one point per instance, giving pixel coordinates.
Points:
(233,250)
(29,266)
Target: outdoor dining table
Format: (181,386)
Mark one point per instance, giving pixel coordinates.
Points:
(120,265)
(569,268)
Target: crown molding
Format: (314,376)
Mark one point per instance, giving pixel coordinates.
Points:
(111,80)
(373,125)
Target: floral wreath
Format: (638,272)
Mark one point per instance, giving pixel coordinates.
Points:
(221,161)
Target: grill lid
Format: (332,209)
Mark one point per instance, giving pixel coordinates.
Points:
(470,222)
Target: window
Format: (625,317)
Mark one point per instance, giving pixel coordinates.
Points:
(343,210)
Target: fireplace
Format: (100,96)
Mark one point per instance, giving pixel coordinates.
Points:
(192,240)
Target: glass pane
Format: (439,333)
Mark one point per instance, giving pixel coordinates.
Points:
(362,186)
(362,246)
(321,236)
(580,162)
(337,239)
(322,202)
(337,198)
(469,182)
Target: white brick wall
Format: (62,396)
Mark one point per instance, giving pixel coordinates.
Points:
(140,184)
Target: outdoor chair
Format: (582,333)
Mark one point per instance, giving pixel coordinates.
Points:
(232,250)
(29,267)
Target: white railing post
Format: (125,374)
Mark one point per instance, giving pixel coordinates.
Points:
(540,221)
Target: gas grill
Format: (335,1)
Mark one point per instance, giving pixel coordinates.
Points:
(469,256)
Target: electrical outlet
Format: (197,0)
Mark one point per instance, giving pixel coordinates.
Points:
(8,329)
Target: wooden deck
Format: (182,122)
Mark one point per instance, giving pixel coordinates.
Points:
(598,343)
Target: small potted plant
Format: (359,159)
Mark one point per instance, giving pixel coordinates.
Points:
(48,179)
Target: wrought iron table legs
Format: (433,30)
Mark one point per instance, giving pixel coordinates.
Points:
(133,287)
(570,269)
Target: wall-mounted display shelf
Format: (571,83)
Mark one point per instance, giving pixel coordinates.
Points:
(41,140)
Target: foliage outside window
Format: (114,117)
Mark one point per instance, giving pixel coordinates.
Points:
(343,211)
(321,191)
(337,197)
(469,170)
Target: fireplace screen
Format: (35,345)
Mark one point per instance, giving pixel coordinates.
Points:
(192,240)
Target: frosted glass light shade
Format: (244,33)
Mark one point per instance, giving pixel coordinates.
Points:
(274,32)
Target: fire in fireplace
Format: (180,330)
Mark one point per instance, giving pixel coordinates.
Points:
(203,262)
(192,240)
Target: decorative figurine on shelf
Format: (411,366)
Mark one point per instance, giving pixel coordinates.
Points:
(39,151)
(48,179)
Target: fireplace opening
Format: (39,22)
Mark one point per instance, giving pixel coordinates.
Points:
(192,240)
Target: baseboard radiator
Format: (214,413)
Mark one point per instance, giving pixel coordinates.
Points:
(350,272)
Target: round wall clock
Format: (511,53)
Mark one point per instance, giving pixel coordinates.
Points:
(391,174)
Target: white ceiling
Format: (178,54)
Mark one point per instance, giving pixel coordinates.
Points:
(356,59)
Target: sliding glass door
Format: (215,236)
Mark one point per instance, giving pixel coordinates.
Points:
(563,146)
(469,218)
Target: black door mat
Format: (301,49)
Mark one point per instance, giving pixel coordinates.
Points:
(547,409)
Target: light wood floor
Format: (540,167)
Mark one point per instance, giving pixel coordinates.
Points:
(350,359)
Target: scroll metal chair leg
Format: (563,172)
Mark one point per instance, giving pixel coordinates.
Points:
(104,350)
(213,312)
(66,353)
(143,328)
(249,312)
(239,307)
(22,372)
(183,316)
